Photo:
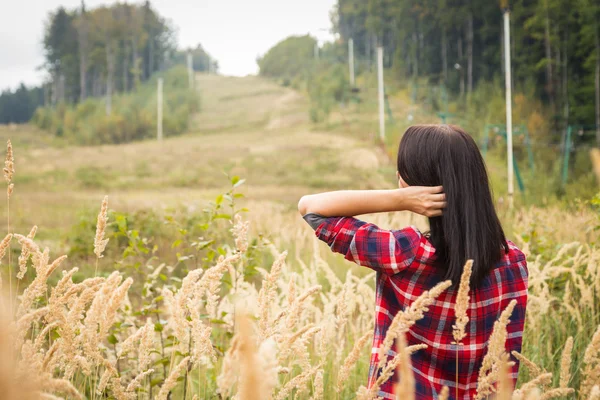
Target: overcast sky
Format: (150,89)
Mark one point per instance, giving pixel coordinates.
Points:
(235,32)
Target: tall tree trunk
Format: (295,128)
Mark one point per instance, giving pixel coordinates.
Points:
(151,56)
(557,72)
(367,53)
(597,40)
(565,78)
(54,90)
(83,63)
(110,71)
(126,69)
(46,94)
(82,76)
(547,43)
(61,88)
(470,53)
(415,52)
(501,61)
(82,36)
(136,62)
(461,67)
(444,56)
(421,44)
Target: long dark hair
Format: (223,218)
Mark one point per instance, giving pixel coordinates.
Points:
(433,155)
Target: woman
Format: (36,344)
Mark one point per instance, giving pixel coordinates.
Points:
(442,176)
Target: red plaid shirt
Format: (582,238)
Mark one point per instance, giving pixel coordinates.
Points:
(403,261)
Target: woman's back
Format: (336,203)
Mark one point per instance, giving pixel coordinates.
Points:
(441,175)
(404,260)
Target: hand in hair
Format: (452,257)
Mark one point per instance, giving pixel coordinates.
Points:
(425,200)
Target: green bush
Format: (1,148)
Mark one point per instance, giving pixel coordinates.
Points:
(327,88)
(133,115)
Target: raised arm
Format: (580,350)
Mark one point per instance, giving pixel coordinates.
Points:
(427,201)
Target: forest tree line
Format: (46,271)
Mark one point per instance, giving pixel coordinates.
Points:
(97,53)
(555,46)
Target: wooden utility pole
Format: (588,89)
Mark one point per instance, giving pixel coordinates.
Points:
(508,82)
(190,66)
(351,60)
(381,93)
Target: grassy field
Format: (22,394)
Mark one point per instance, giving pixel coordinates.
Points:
(173,212)
(248,127)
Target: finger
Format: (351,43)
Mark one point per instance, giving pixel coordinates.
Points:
(436,213)
(438,205)
(438,197)
(436,189)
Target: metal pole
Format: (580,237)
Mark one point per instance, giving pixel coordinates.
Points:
(508,82)
(351,60)
(381,93)
(159,111)
(190,65)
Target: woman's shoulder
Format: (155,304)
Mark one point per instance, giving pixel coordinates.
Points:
(514,253)
(424,249)
(514,262)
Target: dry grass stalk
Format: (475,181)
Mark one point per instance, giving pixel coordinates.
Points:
(350,361)
(267,293)
(534,369)
(496,347)
(415,347)
(9,163)
(4,245)
(228,376)
(61,386)
(460,310)
(293,311)
(444,393)
(9,170)
(462,304)
(591,371)
(405,389)
(249,380)
(565,363)
(240,233)
(25,253)
(557,392)
(267,356)
(525,391)
(505,385)
(595,393)
(407,318)
(595,157)
(296,382)
(318,385)
(99,241)
(137,382)
(202,348)
(171,380)
(43,270)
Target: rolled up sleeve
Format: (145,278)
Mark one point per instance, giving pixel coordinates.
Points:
(387,251)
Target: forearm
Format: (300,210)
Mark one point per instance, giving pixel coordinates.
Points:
(348,203)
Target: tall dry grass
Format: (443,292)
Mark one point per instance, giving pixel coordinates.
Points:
(297,330)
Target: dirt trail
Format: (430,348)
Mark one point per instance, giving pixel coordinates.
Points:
(273,119)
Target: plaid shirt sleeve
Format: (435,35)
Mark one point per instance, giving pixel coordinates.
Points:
(370,246)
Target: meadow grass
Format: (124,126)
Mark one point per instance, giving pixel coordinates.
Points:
(161,312)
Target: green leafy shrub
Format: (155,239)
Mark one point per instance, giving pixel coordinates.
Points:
(132,116)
